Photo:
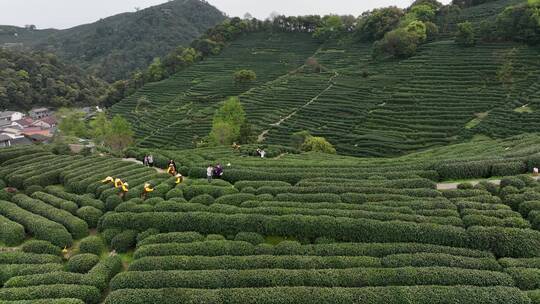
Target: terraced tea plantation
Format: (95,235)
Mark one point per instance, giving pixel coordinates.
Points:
(292,228)
(445,94)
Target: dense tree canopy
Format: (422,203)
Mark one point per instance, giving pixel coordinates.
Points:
(31,79)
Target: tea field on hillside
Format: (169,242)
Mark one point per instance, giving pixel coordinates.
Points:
(307,227)
(443,95)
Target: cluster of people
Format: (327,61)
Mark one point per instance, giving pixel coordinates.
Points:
(173,171)
(118,183)
(148,160)
(214,172)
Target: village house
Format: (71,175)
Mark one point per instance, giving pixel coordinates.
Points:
(39,113)
(10,116)
(45,122)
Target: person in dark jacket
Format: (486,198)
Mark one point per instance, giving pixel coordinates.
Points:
(218,171)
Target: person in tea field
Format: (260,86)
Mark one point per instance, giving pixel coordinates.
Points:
(218,171)
(179,178)
(145,161)
(535,171)
(118,183)
(209,173)
(236,146)
(147,189)
(171,168)
(124,189)
(150,160)
(108,179)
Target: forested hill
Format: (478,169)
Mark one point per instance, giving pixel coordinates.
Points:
(112,48)
(40,79)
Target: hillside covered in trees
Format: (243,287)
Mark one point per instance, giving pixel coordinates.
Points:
(29,79)
(114,47)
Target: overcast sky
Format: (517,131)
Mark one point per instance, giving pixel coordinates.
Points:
(68,13)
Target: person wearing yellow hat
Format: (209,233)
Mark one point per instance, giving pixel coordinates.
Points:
(118,183)
(108,179)
(147,189)
(179,178)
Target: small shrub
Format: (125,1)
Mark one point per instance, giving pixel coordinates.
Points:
(92,244)
(204,199)
(41,247)
(112,202)
(512,181)
(90,215)
(82,263)
(465,186)
(174,193)
(250,237)
(215,237)
(124,241)
(147,233)
(31,189)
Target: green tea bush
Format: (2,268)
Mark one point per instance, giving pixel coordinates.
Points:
(173,237)
(526,207)
(481,220)
(204,199)
(174,193)
(33,189)
(525,278)
(235,199)
(465,186)
(145,234)
(487,186)
(214,191)
(77,227)
(80,200)
(512,181)
(100,275)
(252,262)
(306,227)
(249,190)
(109,234)
(506,242)
(41,247)
(15,270)
(124,241)
(257,184)
(311,198)
(112,202)
(93,245)
(508,168)
(215,237)
(439,259)
(82,263)
(38,226)
(306,295)
(54,201)
(154,201)
(350,277)
(12,233)
(520,263)
(234,248)
(90,215)
(88,294)
(250,237)
(353,198)
(51,278)
(18,257)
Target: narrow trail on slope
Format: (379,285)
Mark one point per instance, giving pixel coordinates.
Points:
(133,160)
(262,136)
(454,185)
